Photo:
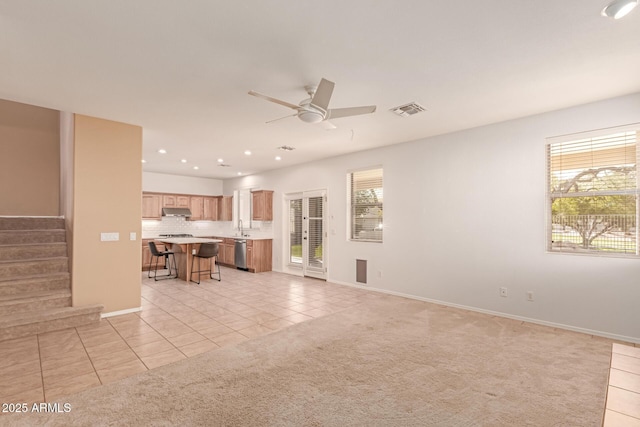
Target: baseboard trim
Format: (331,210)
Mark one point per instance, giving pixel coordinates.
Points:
(635,340)
(121,312)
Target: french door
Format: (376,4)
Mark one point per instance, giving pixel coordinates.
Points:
(307,246)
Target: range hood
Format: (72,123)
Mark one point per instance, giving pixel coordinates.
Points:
(176,212)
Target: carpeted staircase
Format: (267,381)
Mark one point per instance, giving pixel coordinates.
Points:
(35,285)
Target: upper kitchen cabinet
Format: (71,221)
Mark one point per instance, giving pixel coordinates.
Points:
(175,201)
(210,208)
(196,204)
(262,205)
(151,206)
(225,208)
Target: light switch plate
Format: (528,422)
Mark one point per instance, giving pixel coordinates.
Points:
(132,235)
(109,237)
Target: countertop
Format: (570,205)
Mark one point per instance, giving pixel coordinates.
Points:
(187,240)
(206,237)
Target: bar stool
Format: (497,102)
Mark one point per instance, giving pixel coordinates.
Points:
(168,256)
(210,251)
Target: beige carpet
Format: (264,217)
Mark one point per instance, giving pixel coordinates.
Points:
(388,362)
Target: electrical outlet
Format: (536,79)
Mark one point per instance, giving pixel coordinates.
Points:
(529,295)
(503,292)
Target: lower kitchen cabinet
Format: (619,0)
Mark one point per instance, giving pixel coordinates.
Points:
(228,253)
(146,254)
(259,255)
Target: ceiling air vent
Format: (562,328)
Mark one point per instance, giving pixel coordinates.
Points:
(224,165)
(409,109)
(286,148)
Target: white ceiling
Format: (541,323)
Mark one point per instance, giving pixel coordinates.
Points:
(182,69)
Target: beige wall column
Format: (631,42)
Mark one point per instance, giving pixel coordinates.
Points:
(107,187)
(29,160)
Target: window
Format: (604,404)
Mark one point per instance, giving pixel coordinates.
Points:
(365,198)
(593,192)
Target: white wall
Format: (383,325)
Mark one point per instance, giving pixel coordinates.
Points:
(165,183)
(464,214)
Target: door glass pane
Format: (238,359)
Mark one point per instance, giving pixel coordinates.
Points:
(314,255)
(295,231)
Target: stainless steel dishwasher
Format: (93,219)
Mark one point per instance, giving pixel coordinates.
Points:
(240,257)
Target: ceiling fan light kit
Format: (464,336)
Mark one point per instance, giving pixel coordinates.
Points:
(316,109)
(619,8)
(310,116)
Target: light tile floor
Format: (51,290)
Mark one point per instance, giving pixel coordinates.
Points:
(623,394)
(178,320)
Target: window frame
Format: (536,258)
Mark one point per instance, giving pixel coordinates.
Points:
(351,217)
(549,195)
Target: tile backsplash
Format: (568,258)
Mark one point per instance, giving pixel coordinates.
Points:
(179,225)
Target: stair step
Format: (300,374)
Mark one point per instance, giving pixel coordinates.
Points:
(32,250)
(53,319)
(19,269)
(34,301)
(29,223)
(18,237)
(35,283)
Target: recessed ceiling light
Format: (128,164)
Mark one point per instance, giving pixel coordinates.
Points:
(619,8)
(162,151)
(278,158)
(239,173)
(247,152)
(220,160)
(184,160)
(196,168)
(144,161)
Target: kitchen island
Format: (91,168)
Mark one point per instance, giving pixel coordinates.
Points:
(184,248)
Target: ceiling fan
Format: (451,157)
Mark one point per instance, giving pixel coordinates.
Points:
(315,109)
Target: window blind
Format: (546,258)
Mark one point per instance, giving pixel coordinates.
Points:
(366,191)
(592,193)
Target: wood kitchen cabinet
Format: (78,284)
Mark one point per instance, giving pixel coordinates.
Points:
(175,201)
(151,206)
(225,208)
(228,257)
(210,208)
(146,254)
(203,208)
(259,255)
(196,205)
(262,205)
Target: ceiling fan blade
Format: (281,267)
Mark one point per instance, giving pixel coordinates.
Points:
(275,120)
(327,125)
(277,101)
(323,94)
(335,113)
